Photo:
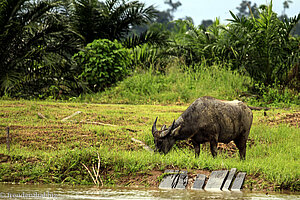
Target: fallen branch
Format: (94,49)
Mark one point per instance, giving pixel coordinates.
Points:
(96,123)
(74,114)
(41,115)
(146,147)
(131,130)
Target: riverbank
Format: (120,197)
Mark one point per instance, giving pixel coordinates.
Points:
(46,149)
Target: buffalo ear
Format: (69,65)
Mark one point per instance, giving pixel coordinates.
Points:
(175,132)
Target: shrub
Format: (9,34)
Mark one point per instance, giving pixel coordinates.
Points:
(275,95)
(102,63)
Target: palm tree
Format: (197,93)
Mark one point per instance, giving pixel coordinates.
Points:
(111,19)
(34,41)
(39,37)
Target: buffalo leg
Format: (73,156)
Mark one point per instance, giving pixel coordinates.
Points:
(213,147)
(196,147)
(241,145)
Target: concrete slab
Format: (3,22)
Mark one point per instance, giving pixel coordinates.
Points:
(216,180)
(238,182)
(199,182)
(182,180)
(167,180)
(229,179)
(174,179)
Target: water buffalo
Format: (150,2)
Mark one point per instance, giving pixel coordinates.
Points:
(207,120)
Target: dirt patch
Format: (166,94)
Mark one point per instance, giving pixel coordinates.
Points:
(292,119)
(146,179)
(7,159)
(4,158)
(229,149)
(52,136)
(256,182)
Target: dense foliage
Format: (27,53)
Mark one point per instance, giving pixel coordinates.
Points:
(38,41)
(35,44)
(261,47)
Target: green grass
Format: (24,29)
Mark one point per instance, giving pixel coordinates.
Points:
(176,86)
(51,151)
(180,85)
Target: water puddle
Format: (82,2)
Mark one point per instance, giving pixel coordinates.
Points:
(59,192)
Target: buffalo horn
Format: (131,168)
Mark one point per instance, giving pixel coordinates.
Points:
(154,129)
(173,125)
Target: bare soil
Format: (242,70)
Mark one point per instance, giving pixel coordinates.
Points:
(293,119)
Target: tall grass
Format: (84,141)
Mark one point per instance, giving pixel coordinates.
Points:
(179,85)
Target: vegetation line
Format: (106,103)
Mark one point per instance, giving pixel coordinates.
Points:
(97,44)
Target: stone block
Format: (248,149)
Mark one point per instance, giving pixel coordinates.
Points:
(216,180)
(238,182)
(182,180)
(167,180)
(199,182)
(229,179)
(174,180)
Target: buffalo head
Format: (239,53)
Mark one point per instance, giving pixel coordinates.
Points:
(164,139)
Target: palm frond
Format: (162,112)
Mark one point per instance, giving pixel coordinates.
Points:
(34,42)
(147,37)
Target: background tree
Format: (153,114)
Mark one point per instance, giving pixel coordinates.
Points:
(286,5)
(207,23)
(103,63)
(35,43)
(111,19)
(164,18)
(246,9)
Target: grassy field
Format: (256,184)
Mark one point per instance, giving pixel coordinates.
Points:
(53,151)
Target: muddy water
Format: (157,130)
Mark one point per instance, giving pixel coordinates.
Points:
(9,191)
